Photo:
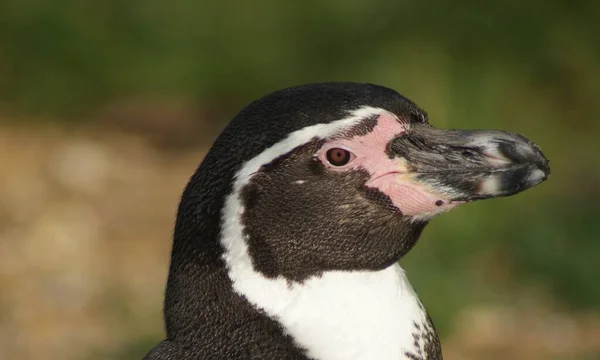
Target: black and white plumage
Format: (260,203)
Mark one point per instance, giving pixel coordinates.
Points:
(288,235)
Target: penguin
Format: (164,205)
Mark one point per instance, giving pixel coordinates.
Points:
(288,235)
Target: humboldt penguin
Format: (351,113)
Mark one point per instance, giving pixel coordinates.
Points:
(288,235)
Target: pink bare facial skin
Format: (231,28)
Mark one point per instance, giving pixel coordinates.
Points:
(390,176)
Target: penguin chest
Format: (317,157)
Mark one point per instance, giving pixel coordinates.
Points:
(354,315)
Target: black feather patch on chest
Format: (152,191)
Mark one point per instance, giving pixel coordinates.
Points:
(426,342)
(300,219)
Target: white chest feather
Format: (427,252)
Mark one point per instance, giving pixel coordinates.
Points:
(343,315)
(354,315)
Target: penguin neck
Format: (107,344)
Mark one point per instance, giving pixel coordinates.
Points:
(337,314)
(345,314)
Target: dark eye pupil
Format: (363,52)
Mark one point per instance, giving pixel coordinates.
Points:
(338,157)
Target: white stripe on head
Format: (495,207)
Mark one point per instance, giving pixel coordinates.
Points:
(383,301)
(241,272)
(300,137)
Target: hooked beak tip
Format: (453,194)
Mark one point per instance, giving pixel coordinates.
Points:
(525,166)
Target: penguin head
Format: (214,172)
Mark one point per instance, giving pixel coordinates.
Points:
(340,176)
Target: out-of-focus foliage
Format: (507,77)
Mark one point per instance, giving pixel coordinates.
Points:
(64,55)
(528,67)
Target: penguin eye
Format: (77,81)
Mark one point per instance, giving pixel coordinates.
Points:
(338,156)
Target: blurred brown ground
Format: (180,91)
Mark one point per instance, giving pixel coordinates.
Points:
(86,221)
(85,224)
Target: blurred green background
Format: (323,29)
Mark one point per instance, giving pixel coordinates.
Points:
(106,108)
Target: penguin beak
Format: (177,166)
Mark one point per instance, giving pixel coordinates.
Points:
(463,166)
